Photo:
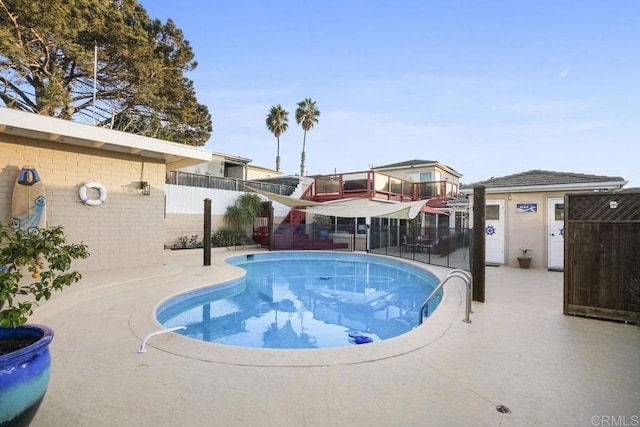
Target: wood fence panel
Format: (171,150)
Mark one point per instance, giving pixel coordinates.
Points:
(602,255)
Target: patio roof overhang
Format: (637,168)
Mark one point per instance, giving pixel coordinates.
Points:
(36,126)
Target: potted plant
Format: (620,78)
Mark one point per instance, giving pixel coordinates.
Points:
(524,260)
(24,349)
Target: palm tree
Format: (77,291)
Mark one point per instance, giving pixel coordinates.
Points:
(277,123)
(306,115)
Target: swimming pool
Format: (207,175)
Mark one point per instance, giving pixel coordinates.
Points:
(305,300)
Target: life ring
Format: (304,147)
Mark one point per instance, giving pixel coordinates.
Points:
(92,202)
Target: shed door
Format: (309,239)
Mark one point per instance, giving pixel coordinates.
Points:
(494,233)
(555,238)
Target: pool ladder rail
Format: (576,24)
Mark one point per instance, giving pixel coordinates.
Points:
(466,278)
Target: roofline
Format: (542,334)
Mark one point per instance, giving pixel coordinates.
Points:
(262,168)
(31,125)
(604,185)
(445,167)
(232,157)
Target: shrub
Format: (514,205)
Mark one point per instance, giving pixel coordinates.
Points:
(229,236)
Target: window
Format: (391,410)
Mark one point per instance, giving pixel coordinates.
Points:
(426,176)
(492,212)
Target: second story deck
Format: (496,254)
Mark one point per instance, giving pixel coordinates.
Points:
(371,184)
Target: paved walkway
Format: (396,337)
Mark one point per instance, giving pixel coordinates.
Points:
(520,352)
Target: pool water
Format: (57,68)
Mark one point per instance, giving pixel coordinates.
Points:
(305,300)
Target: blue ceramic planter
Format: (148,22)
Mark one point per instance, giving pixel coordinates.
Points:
(24,374)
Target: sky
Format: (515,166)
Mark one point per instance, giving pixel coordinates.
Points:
(488,88)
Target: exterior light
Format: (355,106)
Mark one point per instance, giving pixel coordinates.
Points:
(146,188)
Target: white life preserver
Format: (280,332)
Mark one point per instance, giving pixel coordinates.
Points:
(92,202)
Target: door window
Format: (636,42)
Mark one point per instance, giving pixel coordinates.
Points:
(492,212)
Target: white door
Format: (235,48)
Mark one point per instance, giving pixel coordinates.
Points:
(555,224)
(494,231)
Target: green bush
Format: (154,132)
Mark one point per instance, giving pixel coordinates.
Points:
(187,242)
(229,236)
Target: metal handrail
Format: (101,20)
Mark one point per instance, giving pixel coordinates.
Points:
(466,277)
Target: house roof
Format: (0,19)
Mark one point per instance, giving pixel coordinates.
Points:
(416,163)
(407,164)
(30,125)
(232,159)
(538,180)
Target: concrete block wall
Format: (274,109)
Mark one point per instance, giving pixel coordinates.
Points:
(179,225)
(126,231)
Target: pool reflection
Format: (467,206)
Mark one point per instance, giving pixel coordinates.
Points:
(309,302)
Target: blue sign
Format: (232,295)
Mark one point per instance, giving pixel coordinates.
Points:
(526,207)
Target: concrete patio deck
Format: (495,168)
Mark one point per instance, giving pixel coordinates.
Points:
(520,351)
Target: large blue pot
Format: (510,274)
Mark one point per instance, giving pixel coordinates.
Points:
(24,374)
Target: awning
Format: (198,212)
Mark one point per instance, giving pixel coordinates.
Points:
(359,208)
(429,209)
(354,208)
(289,201)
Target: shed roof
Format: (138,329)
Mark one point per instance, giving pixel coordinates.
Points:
(537,180)
(30,125)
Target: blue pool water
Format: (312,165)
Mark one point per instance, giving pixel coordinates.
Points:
(305,300)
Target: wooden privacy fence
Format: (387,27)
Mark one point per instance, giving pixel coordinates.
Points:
(602,255)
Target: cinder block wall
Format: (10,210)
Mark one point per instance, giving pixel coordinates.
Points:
(181,225)
(126,231)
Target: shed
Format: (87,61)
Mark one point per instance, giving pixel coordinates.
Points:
(526,211)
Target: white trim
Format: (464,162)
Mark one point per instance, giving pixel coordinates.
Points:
(30,125)
(594,186)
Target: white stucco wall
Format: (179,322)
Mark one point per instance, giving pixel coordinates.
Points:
(524,230)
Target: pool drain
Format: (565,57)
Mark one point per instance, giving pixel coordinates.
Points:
(503,409)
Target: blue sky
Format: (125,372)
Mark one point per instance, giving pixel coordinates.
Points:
(489,88)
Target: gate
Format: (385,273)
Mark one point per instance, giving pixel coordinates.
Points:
(602,255)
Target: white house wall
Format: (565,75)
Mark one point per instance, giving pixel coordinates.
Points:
(525,230)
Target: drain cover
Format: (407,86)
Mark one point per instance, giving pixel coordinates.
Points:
(503,409)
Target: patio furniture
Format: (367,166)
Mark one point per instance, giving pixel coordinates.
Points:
(409,244)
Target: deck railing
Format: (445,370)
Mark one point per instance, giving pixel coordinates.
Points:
(221,183)
(378,185)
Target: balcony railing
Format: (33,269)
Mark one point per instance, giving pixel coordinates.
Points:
(221,183)
(378,185)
